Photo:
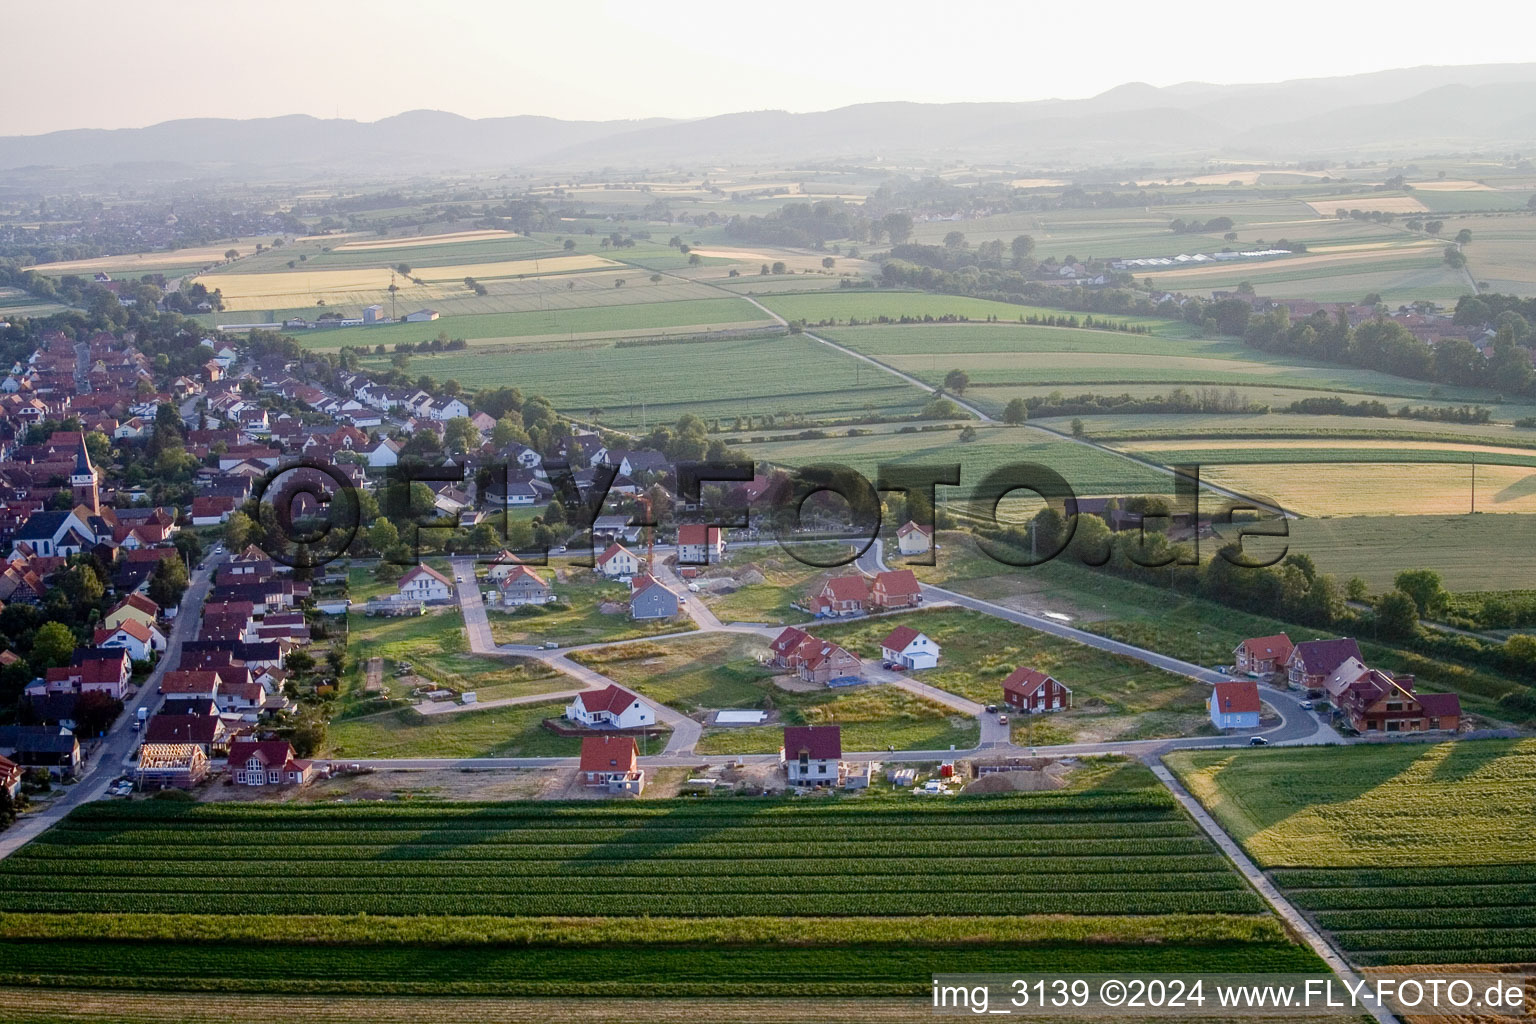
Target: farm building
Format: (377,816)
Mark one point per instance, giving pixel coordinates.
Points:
(698,544)
(649,598)
(171,765)
(895,589)
(611,762)
(812,755)
(841,595)
(1262,655)
(520,585)
(1313,661)
(374,315)
(912,539)
(617,561)
(425,584)
(908,648)
(1030,691)
(612,707)
(1235,705)
(421,316)
(267,763)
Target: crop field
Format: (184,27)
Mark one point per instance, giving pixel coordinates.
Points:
(842,304)
(1113,698)
(1381,488)
(1089,470)
(691,898)
(1011,360)
(783,378)
(1407,854)
(162,261)
(1469,552)
(722,671)
(1127,430)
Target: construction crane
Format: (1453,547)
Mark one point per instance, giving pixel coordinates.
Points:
(644,502)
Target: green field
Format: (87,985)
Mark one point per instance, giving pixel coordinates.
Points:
(721,670)
(576,619)
(667,898)
(843,304)
(1113,698)
(1469,552)
(508,731)
(785,378)
(1406,853)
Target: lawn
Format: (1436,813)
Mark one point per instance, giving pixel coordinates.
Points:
(435,647)
(658,898)
(786,581)
(724,671)
(507,731)
(576,619)
(1113,697)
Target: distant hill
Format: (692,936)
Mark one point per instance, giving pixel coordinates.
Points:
(1402,112)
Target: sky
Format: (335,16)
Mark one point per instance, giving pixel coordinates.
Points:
(117,65)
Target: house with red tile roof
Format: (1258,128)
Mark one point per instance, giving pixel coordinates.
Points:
(1370,700)
(841,595)
(912,539)
(909,648)
(822,661)
(611,762)
(612,707)
(616,561)
(1235,704)
(1262,655)
(1031,691)
(897,588)
(425,584)
(812,755)
(1313,661)
(698,544)
(267,763)
(783,647)
(139,640)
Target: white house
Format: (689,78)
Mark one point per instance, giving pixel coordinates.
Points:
(449,409)
(612,707)
(907,647)
(813,754)
(617,561)
(698,544)
(1235,705)
(912,539)
(138,639)
(425,583)
(383,455)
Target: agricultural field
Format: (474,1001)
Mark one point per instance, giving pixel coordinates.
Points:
(1113,698)
(1089,470)
(842,304)
(675,898)
(639,386)
(577,617)
(1382,488)
(1406,853)
(720,670)
(170,262)
(1469,552)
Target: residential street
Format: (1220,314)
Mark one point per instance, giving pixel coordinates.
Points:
(107,761)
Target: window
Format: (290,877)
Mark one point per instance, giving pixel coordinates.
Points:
(821,769)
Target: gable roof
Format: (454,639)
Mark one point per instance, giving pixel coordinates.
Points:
(897,583)
(698,533)
(612,551)
(818,742)
(788,640)
(1323,657)
(847,588)
(424,570)
(613,699)
(910,527)
(900,638)
(1440,705)
(1276,647)
(1236,697)
(268,752)
(608,754)
(164,728)
(1025,681)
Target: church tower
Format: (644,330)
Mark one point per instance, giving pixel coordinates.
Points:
(82,481)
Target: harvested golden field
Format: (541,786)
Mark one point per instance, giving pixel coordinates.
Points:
(1451,185)
(149,262)
(364,285)
(1269,444)
(1380,489)
(1385,204)
(415,240)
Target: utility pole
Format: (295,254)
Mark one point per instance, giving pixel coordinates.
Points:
(1474,486)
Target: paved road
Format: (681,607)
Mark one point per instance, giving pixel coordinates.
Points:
(110,752)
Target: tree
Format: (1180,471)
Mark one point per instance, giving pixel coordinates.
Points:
(1016,411)
(957,381)
(95,712)
(954,240)
(570,243)
(1423,585)
(1023,247)
(238,529)
(1077,428)
(1463,236)
(898,226)
(694,259)
(168,583)
(1356,589)
(300,661)
(1434,227)
(383,535)
(1454,258)
(460,435)
(231,254)
(1397,617)
(828,262)
(778,267)
(968,433)
(52,645)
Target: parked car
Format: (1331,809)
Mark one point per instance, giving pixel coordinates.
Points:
(1306,705)
(1002,719)
(550,645)
(1258,741)
(991,709)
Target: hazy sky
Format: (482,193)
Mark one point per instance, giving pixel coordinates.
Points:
(96,64)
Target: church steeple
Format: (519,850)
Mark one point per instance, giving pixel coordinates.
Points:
(82,481)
